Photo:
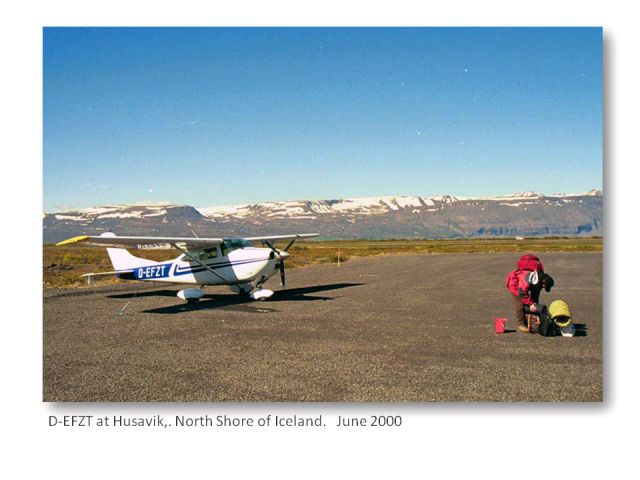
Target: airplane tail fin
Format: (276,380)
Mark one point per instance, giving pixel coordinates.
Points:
(123,260)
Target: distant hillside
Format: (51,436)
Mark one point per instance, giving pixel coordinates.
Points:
(443,216)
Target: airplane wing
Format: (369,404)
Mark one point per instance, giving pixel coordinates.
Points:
(143,242)
(190,243)
(281,237)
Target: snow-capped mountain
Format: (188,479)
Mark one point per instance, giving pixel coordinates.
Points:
(526,213)
(162,213)
(311,209)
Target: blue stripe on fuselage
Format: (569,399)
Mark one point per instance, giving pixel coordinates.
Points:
(214,266)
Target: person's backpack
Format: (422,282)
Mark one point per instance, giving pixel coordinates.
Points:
(530,263)
(517,281)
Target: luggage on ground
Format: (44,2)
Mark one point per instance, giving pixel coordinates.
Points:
(561,316)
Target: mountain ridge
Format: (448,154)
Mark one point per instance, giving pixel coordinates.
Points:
(381,217)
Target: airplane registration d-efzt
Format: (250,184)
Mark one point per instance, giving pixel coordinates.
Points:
(203,261)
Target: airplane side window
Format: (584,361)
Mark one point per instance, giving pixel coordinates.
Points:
(209,253)
(204,255)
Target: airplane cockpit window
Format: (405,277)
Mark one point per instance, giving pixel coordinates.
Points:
(231,244)
(203,255)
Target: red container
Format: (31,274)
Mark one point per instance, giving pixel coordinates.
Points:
(501,323)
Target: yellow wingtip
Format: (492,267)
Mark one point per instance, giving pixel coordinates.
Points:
(81,238)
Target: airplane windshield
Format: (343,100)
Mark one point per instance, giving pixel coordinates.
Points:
(231,244)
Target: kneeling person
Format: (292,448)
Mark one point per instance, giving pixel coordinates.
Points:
(525,284)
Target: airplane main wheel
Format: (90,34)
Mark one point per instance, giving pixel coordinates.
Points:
(261,295)
(190,295)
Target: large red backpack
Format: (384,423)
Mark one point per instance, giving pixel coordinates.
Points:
(530,263)
(527,263)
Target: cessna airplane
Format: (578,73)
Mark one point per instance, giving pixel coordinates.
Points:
(203,261)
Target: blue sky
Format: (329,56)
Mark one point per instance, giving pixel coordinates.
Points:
(216,116)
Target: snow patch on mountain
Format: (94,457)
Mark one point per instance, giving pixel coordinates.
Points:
(311,209)
(358,206)
(239,211)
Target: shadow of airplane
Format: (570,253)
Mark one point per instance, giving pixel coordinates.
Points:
(148,293)
(238,302)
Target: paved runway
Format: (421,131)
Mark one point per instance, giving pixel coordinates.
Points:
(391,329)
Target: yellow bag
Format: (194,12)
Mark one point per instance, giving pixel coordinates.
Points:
(561,315)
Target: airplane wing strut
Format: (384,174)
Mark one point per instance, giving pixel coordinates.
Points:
(201,263)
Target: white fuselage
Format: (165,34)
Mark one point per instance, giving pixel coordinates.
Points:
(240,266)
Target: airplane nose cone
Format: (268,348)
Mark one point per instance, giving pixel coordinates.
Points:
(282,255)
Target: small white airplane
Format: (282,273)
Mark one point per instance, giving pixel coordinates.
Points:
(203,261)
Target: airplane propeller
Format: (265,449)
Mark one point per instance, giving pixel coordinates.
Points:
(280,255)
(282,279)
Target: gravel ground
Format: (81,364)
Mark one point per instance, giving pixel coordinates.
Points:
(400,328)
